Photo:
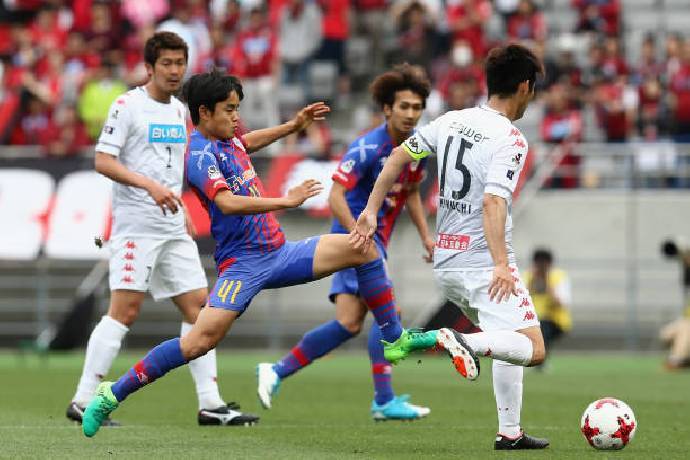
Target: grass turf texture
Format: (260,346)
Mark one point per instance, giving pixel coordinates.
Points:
(322,412)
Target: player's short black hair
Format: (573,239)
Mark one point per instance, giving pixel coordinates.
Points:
(208,89)
(163,41)
(402,77)
(508,66)
(542,255)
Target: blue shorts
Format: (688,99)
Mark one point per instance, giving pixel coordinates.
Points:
(345,281)
(292,264)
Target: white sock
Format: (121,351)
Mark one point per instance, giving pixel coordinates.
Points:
(103,346)
(204,373)
(508,392)
(509,346)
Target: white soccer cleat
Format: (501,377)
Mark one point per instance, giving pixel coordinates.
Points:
(464,358)
(268,384)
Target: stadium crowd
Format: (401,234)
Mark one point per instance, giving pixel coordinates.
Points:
(63,62)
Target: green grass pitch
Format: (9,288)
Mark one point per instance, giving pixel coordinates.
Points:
(323,412)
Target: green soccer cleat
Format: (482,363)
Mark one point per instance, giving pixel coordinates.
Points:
(98,409)
(410,340)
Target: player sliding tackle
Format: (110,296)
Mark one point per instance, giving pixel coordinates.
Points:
(251,251)
(480,156)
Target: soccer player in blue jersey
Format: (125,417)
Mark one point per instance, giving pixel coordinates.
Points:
(401,93)
(251,251)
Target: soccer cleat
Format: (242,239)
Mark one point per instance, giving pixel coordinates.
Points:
(75,412)
(268,385)
(398,409)
(409,341)
(98,409)
(464,358)
(524,441)
(227,415)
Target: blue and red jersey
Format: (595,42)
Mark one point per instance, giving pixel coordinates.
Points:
(358,171)
(213,166)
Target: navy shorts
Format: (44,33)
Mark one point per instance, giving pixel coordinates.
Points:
(292,264)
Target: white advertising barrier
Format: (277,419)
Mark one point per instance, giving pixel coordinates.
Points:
(24,199)
(81,212)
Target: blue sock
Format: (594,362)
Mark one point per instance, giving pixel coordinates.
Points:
(314,344)
(377,291)
(380,368)
(158,362)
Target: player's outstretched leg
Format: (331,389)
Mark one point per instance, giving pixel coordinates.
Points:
(314,344)
(99,409)
(386,405)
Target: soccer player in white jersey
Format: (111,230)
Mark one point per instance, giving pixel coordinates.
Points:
(480,156)
(141,148)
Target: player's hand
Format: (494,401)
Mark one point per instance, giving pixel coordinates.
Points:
(164,197)
(313,112)
(429,245)
(361,235)
(299,194)
(502,284)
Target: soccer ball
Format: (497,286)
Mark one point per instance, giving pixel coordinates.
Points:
(608,424)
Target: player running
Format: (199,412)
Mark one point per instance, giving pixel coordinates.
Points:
(480,156)
(251,251)
(401,94)
(141,148)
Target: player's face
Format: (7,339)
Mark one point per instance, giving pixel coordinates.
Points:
(169,70)
(407,108)
(226,115)
(525,96)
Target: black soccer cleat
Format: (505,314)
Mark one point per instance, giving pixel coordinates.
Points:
(75,412)
(524,441)
(227,415)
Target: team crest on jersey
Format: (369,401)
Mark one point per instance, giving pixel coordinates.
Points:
(346,166)
(168,134)
(510,174)
(214,173)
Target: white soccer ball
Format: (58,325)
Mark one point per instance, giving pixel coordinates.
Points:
(608,424)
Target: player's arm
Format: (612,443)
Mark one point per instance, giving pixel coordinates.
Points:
(416,211)
(494,214)
(339,206)
(366,222)
(260,138)
(229,203)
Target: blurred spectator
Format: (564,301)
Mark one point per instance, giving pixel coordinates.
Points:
(33,122)
(98,93)
(46,30)
(193,31)
(103,34)
(65,134)
(616,105)
(314,142)
(674,47)
(415,37)
(464,68)
(527,23)
(601,16)
(335,29)
(141,14)
(679,96)
(612,62)
(255,61)
(649,65)
(562,124)
(650,115)
(300,27)
(551,295)
(466,19)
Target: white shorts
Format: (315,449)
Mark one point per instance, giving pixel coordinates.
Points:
(166,268)
(470,291)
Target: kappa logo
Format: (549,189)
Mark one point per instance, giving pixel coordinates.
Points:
(519,143)
(129,256)
(128,268)
(525,302)
(529,316)
(130,245)
(127,279)
(515,132)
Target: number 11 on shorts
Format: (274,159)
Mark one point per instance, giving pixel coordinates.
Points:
(226,288)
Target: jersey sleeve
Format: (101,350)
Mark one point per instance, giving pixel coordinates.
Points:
(115,129)
(423,142)
(353,166)
(506,165)
(204,174)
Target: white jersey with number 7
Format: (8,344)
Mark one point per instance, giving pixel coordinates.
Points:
(478,151)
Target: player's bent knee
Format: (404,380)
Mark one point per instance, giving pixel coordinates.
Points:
(354,327)
(126,315)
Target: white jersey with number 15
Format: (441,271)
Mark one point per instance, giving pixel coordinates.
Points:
(478,151)
(150,138)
